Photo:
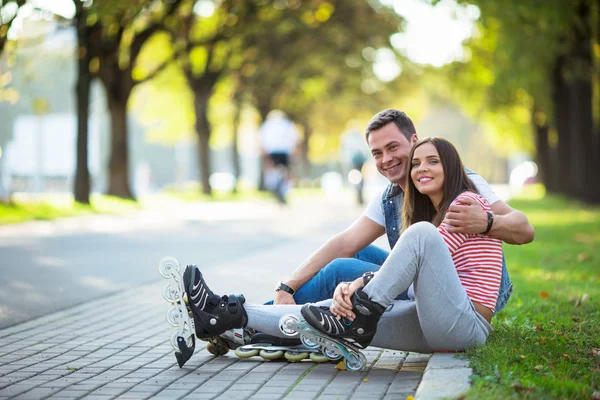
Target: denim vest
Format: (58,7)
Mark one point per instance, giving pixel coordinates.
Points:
(392,200)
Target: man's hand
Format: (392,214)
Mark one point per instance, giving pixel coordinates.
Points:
(342,299)
(466,217)
(282,297)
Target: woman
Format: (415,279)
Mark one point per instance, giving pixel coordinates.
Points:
(456,277)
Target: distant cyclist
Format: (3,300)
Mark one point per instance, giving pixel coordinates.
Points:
(278,140)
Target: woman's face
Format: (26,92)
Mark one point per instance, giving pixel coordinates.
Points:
(427,173)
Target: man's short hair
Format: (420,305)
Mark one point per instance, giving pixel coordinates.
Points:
(382,118)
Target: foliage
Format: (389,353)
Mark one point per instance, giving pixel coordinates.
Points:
(508,69)
(545,343)
(8,13)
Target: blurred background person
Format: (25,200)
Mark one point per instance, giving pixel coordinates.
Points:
(354,155)
(278,141)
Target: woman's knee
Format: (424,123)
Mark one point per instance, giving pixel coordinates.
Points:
(421,229)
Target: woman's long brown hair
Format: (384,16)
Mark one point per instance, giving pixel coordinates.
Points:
(417,206)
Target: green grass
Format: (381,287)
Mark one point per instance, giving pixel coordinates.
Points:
(60,206)
(546,342)
(49,206)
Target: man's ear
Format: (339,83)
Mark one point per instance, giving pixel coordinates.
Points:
(414,139)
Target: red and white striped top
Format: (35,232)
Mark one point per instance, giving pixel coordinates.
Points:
(477,258)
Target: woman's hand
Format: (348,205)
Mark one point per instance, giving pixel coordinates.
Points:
(342,299)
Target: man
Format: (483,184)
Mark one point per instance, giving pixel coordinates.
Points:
(278,141)
(348,254)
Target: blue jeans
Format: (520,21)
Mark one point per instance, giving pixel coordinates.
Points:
(323,284)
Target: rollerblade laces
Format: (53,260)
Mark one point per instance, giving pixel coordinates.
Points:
(213,315)
(359,332)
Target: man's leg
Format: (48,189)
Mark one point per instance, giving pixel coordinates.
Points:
(322,285)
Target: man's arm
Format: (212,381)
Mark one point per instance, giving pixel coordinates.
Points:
(344,244)
(510,225)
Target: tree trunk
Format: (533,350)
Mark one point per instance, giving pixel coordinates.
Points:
(235,154)
(581,98)
(545,170)
(304,148)
(201,98)
(562,110)
(119,157)
(84,79)
(263,110)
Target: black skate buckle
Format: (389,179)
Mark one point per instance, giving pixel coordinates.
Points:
(185,352)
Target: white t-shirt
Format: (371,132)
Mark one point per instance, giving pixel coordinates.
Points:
(278,135)
(375,212)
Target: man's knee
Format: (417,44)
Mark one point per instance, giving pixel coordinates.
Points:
(334,267)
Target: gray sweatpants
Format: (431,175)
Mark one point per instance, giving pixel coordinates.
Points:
(441,317)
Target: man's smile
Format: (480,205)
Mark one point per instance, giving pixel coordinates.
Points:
(393,167)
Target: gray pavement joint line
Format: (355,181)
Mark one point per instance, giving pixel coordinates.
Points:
(300,379)
(212,376)
(97,374)
(68,312)
(368,371)
(169,382)
(336,373)
(84,356)
(72,361)
(137,369)
(271,376)
(98,310)
(257,365)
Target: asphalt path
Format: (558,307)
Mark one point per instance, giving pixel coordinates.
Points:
(241,246)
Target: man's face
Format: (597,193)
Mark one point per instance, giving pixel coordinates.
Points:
(390,149)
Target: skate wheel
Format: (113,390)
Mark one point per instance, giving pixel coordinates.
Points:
(271,354)
(285,322)
(353,363)
(167,266)
(308,343)
(241,352)
(173,316)
(318,357)
(332,353)
(217,350)
(171,295)
(295,356)
(189,340)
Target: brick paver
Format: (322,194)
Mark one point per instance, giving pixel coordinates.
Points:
(117,348)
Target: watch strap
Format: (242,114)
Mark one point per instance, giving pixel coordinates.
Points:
(285,288)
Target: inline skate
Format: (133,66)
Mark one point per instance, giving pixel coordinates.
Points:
(210,314)
(337,338)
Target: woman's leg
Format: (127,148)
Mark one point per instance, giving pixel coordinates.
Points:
(445,314)
(398,328)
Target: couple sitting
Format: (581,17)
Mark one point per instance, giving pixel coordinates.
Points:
(449,255)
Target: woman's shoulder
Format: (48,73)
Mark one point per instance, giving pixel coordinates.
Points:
(472,196)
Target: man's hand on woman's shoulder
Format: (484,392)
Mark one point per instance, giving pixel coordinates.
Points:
(468,217)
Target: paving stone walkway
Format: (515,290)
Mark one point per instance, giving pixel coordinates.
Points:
(117,348)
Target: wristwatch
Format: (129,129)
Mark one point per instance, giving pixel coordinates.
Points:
(367,276)
(284,287)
